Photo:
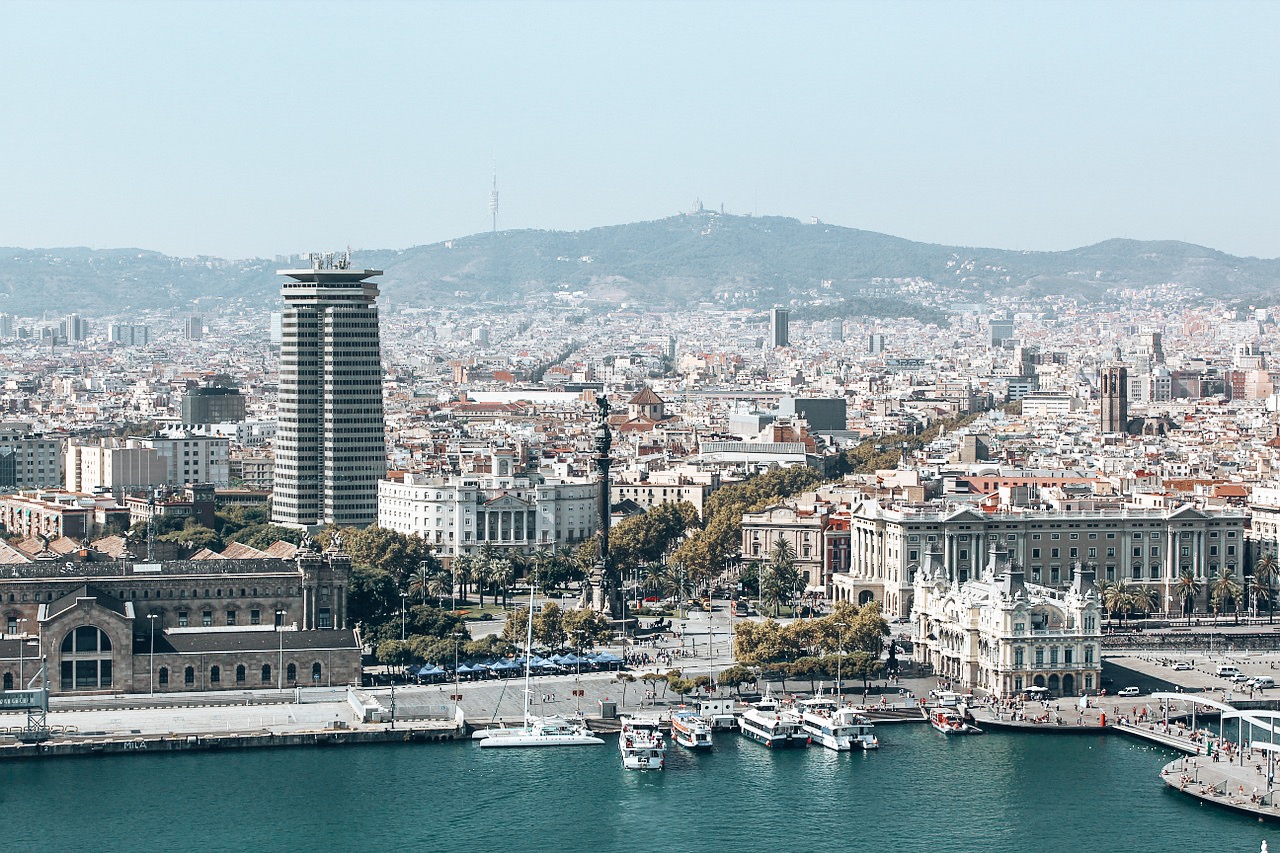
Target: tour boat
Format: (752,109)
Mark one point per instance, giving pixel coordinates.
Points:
(690,729)
(836,727)
(537,731)
(949,722)
(775,728)
(641,744)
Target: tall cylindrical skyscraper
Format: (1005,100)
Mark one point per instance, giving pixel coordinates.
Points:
(330,443)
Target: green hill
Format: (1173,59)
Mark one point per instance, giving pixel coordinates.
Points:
(681,260)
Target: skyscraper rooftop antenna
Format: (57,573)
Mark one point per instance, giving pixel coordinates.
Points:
(493,199)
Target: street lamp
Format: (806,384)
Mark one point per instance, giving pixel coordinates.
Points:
(151,620)
(280,614)
(403,597)
(577,681)
(457,638)
(840,626)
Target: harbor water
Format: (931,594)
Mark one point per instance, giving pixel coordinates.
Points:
(921,792)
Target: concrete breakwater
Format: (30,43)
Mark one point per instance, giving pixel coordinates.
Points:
(204,742)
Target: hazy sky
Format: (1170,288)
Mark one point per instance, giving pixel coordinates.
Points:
(254,129)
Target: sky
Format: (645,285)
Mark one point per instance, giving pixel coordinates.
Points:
(253,129)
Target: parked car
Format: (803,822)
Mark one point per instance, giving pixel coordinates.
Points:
(1129,691)
(1239,677)
(1181,666)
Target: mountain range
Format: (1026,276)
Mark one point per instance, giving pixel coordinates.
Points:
(687,259)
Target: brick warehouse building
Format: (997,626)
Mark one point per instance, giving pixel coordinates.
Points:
(110,624)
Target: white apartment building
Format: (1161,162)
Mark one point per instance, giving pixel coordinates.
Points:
(459,514)
(111,465)
(1002,635)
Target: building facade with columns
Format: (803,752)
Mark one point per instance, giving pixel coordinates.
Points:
(459,514)
(1151,547)
(111,624)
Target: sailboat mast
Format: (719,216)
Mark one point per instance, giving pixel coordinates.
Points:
(528,652)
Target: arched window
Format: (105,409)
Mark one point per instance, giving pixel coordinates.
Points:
(240,674)
(266,673)
(8,681)
(215,674)
(315,671)
(189,676)
(291,672)
(86,659)
(164,675)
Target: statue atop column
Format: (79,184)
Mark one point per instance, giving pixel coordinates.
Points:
(606,587)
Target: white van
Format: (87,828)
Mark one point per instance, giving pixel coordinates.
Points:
(1226,670)
(1262,682)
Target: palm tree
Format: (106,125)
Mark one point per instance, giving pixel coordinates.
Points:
(778,577)
(1260,592)
(440,586)
(1119,599)
(1104,593)
(420,582)
(1144,598)
(1225,590)
(464,567)
(1188,589)
(500,573)
(1266,570)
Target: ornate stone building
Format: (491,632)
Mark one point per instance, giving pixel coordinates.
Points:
(1001,635)
(106,622)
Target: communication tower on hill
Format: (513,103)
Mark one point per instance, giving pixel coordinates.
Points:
(493,201)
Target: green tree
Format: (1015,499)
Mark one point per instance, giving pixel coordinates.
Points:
(625,679)
(807,668)
(867,630)
(738,675)
(194,537)
(590,627)
(371,595)
(500,574)
(394,653)
(398,554)
(516,628)
(548,626)
(679,685)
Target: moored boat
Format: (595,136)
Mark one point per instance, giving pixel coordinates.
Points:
(950,722)
(540,731)
(641,744)
(777,728)
(690,729)
(835,726)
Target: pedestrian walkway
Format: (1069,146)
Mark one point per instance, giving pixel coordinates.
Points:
(1245,783)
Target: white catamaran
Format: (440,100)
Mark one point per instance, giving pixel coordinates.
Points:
(538,731)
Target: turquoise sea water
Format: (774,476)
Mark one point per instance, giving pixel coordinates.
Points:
(920,792)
